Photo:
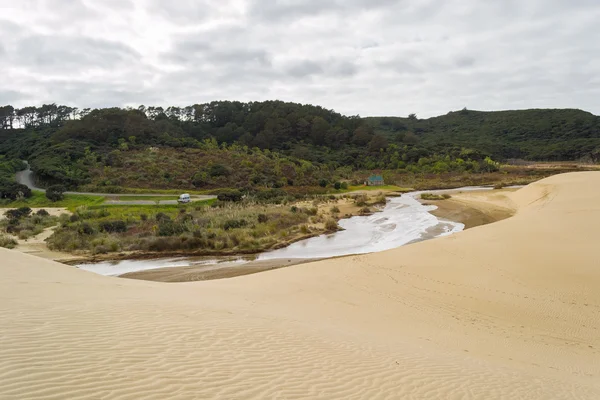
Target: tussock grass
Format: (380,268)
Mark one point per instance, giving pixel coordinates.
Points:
(433,196)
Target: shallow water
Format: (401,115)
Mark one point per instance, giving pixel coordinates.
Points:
(403,220)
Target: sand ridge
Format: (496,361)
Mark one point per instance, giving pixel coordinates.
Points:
(508,310)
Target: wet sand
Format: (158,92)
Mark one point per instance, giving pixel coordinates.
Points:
(210,272)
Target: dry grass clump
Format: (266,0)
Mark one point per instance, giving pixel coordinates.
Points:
(432,196)
(7,242)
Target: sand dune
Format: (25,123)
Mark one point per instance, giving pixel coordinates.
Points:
(509,310)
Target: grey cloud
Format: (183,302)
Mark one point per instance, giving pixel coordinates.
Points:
(346,68)
(11,96)
(367,57)
(214,48)
(63,53)
(304,68)
(181,11)
(295,9)
(465,61)
(324,67)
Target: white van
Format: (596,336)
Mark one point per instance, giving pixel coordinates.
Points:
(184,198)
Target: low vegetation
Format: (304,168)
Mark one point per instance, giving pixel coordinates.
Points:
(433,196)
(38,199)
(24,224)
(225,226)
(7,242)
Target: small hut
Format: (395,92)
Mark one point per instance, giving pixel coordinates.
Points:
(375,180)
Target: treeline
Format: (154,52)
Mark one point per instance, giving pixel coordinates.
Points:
(61,143)
(548,135)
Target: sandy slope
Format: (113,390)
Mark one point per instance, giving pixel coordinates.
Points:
(509,310)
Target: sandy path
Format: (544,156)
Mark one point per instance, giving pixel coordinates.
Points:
(509,310)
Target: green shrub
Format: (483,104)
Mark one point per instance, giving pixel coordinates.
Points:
(13,190)
(234,224)
(335,209)
(344,186)
(116,226)
(230,195)
(42,213)
(219,170)
(55,193)
(18,213)
(161,217)
(337,185)
(323,183)
(86,228)
(170,228)
(262,218)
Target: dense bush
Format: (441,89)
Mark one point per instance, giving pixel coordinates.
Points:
(230,195)
(55,193)
(161,217)
(234,224)
(13,190)
(116,226)
(18,213)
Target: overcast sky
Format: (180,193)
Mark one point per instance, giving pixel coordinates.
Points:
(367,57)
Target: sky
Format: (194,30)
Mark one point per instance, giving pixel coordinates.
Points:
(358,57)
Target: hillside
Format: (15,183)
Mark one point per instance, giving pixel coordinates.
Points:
(275,144)
(527,134)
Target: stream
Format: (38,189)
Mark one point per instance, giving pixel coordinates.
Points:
(403,220)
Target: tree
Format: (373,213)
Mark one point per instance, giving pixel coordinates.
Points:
(362,135)
(412,117)
(55,193)
(13,190)
(230,195)
(377,143)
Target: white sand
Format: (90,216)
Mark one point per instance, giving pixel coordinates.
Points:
(509,310)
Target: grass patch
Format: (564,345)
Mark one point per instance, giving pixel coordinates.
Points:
(146,198)
(39,200)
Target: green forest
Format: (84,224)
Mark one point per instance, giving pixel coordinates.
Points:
(273,144)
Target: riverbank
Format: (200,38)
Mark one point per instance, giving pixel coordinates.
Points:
(471,208)
(506,310)
(213,271)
